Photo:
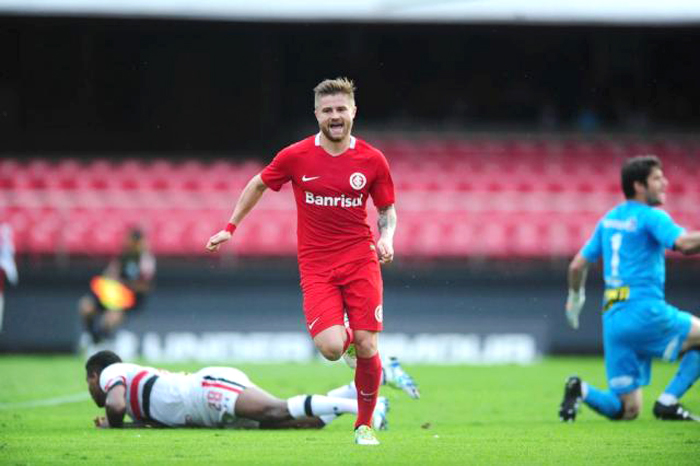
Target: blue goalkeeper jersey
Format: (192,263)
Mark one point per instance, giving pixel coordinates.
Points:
(632,239)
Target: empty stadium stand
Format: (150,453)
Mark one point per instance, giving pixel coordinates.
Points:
(455,198)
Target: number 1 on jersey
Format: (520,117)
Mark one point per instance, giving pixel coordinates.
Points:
(615,243)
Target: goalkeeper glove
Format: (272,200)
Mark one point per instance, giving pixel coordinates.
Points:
(574,304)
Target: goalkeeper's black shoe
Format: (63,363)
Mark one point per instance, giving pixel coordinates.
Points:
(675,412)
(572,399)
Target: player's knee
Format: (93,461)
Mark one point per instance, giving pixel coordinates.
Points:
(330,351)
(366,347)
(630,411)
(692,342)
(274,413)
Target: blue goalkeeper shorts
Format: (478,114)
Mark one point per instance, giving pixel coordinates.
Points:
(634,332)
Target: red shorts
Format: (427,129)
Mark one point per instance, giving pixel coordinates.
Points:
(354,288)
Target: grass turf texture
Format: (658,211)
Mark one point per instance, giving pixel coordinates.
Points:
(467,415)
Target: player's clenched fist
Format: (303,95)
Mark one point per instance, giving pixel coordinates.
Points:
(574,304)
(220,238)
(385,251)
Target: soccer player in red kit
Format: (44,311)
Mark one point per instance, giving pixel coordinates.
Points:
(333,174)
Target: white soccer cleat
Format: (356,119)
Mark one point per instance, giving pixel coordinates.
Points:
(379,420)
(364,435)
(396,377)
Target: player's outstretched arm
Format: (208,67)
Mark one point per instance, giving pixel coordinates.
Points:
(578,270)
(115,408)
(249,197)
(103,423)
(688,243)
(386,223)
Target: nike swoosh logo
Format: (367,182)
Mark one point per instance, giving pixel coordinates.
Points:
(309,178)
(366,394)
(311,325)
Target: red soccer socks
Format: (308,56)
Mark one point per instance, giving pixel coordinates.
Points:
(367,379)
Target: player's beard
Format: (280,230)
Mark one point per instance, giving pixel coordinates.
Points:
(654,199)
(326,130)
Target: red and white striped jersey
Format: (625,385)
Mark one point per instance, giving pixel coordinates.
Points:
(205,398)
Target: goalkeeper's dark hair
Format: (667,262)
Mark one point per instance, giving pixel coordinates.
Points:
(637,169)
(100,360)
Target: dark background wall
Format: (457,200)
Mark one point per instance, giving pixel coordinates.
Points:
(115,85)
(264,296)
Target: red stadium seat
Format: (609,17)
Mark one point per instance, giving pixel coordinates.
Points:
(455,198)
(44,232)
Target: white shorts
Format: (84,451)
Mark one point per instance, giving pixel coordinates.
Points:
(214,394)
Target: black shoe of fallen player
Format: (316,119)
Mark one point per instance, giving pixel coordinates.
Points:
(675,412)
(572,399)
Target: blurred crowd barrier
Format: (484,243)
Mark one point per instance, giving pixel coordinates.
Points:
(455,198)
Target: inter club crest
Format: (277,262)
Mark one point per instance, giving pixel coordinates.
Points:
(358,180)
(379,314)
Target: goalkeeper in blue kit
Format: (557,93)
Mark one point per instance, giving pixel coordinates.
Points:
(638,324)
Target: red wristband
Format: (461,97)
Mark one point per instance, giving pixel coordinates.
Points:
(230,227)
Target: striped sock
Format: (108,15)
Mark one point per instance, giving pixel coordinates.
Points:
(303,406)
(346,391)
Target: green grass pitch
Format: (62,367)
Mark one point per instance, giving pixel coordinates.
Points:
(467,415)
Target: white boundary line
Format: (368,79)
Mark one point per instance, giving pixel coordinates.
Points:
(76,397)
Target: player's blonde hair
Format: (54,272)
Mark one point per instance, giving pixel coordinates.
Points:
(341,85)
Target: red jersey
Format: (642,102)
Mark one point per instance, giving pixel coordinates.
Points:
(331,194)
